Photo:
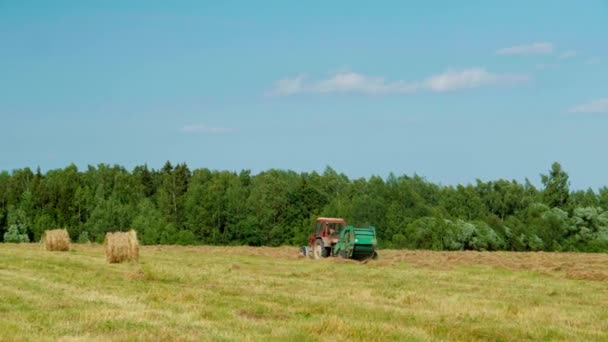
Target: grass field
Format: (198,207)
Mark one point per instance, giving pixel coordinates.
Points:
(242,293)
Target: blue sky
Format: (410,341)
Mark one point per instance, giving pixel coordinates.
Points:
(453,91)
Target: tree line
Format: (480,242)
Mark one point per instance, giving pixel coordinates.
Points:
(176,205)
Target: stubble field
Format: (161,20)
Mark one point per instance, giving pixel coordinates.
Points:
(246,293)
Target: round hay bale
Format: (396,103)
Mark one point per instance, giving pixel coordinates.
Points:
(56,240)
(121,246)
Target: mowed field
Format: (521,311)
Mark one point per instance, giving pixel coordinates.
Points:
(246,293)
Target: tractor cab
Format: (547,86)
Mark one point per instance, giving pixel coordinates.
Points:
(326,234)
(325,226)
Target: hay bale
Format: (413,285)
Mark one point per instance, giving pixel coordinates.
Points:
(121,246)
(56,240)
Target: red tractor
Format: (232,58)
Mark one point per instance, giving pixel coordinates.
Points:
(326,236)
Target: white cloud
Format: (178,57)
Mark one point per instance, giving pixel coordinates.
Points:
(289,86)
(599,106)
(205,129)
(469,78)
(594,60)
(351,82)
(568,54)
(529,49)
(342,82)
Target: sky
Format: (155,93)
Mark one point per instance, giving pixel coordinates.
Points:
(451,91)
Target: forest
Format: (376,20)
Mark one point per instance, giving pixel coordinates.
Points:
(176,205)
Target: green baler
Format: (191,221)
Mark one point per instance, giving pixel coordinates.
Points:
(357,243)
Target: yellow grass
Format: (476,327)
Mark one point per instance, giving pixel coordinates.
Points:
(243,293)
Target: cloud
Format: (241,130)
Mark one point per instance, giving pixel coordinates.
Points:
(568,54)
(469,78)
(599,106)
(530,49)
(594,60)
(289,86)
(342,82)
(205,129)
(352,82)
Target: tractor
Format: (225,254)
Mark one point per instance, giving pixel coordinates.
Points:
(332,237)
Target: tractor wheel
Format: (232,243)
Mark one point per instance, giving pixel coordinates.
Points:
(318,251)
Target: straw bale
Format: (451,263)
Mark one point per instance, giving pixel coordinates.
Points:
(56,240)
(121,246)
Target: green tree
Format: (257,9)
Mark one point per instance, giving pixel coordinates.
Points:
(16,233)
(556,192)
(148,223)
(603,198)
(171,194)
(588,230)
(18,226)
